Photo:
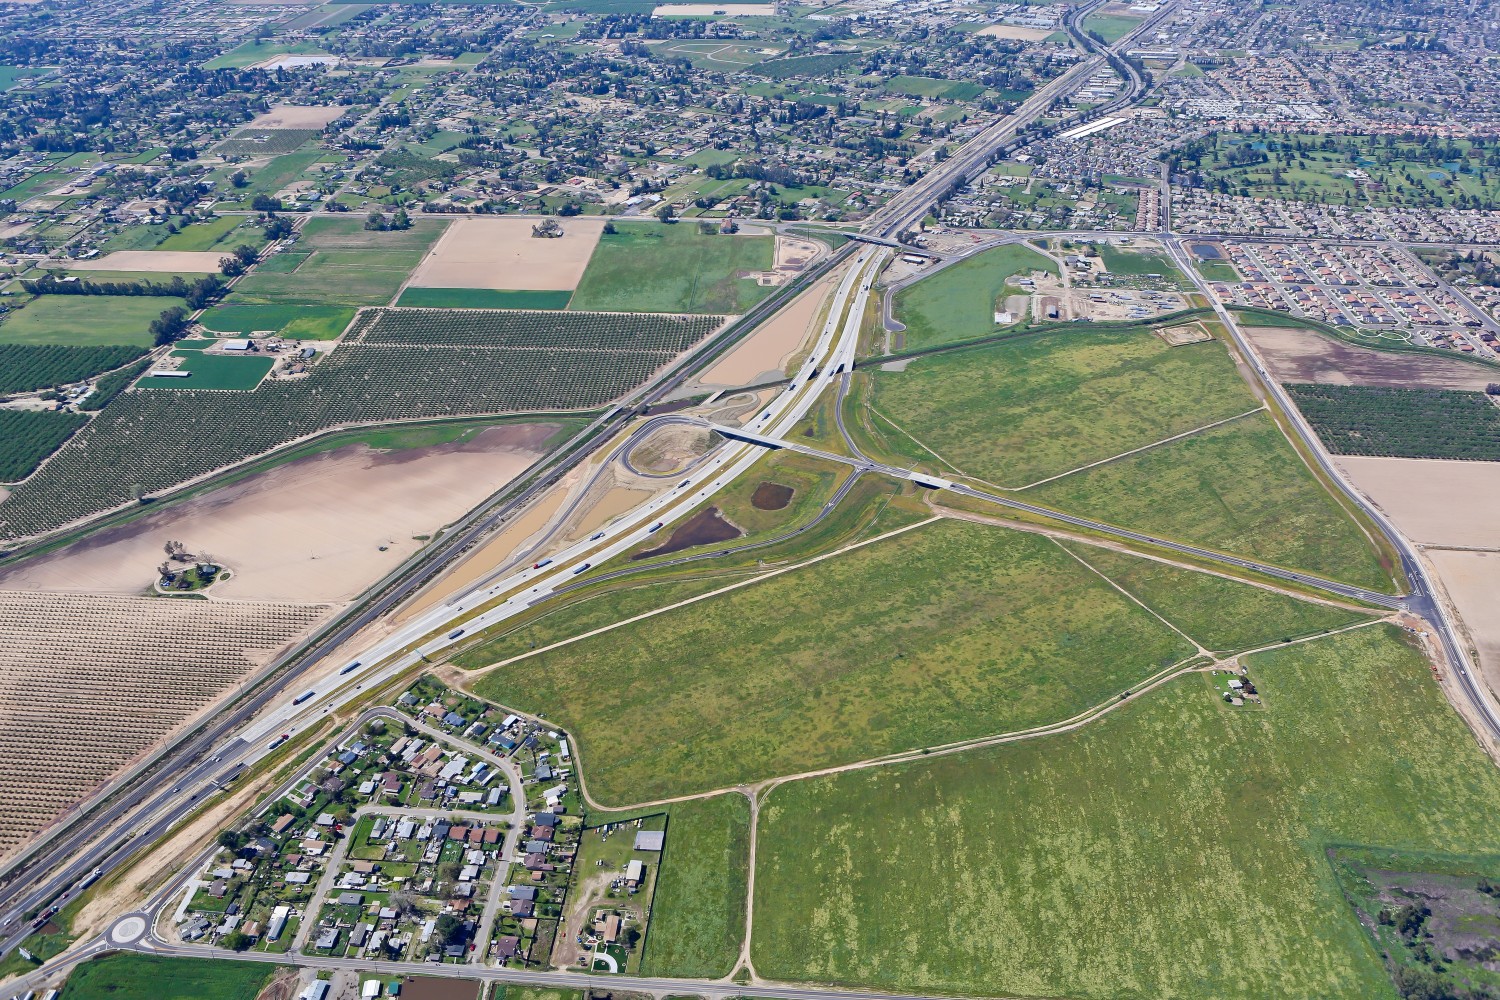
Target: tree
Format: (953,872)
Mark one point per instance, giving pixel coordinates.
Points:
(231,840)
(609,228)
(231,267)
(277,228)
(169,326)
(375,221)
(401,220)
(265,203)
(239,178)
(449,929)
(666,212)
(235,941)
(246,253)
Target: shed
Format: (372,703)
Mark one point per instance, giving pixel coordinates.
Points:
(650,840)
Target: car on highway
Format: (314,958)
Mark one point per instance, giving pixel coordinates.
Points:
(596,536)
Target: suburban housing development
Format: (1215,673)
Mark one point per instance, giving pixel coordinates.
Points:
(890,499)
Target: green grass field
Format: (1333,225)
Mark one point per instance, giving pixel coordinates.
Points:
(1138,262)
(651,267)
(949,631)
(1239,488)
(83,320)
(301,322)
(127,976)
(1222,615)
(483,298)
(1218,270)
(1173,849)
(348,266)
(698,913)
(213,371)
(959,302)
(1022,410)
(1109,27)
(224,232)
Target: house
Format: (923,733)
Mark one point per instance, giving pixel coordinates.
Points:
(359,935)
(536,863)
(537,846)
(298,878)
(544,833)
(351,899)
(544,819)
(522,908)
(522,891)
(218,889)
(507,947)
(282,822)
(327,938)
(650,840)
(611,928)
(279,916)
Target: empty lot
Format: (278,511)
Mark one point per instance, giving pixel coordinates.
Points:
(502,254)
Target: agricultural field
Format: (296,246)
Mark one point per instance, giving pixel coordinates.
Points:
(807,66)
(86,320)
(1237,488)
(72,729)
(1174,848)
(962,630)
(717,55)
(939,89)
(26,367)
(652,267)
(413,364)
(1402,423)
(266,142)
(29,436)
(212,371)
(483,298)
(347,266)
(1222,615)
(1025,409)
(960,301)
(1138,263)
(127,976)
(225,232)
(301,322)
(1364,169)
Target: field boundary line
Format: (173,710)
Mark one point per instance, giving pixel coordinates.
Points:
(701,597)
(1135,451)
(1202,650)
(1116,546)
(919,444)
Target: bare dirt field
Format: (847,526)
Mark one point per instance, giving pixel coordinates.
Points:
(710,9)
(1433,502)
(298,116)
(771,496)
(1015,31)
(90,682)
(502,254)
(1472,579)
(319,529)
(708,525)
(1296,355)
(1191,333)
(669,449)
(166,261)
(763,355)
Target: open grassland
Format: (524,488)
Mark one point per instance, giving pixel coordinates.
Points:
(1172,849)
(126,976)
(224,232)
(960,301)
(1037,406)
(698,913)
(651,267)
(86,320)
(948,631)
(69,729)
(28,436)
(1222,615)
(1109,27)
(1238,488)
(418,364)
(300,322)
(348,265)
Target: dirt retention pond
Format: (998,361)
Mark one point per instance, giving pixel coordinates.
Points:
(702,528)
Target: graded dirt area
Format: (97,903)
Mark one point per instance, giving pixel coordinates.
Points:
(298,116)
(319,529)
(764,354)
(1434,502)
(670,448)
(1016,31)
(1472,581)
(1297,355)
(166,261)
(502,254)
